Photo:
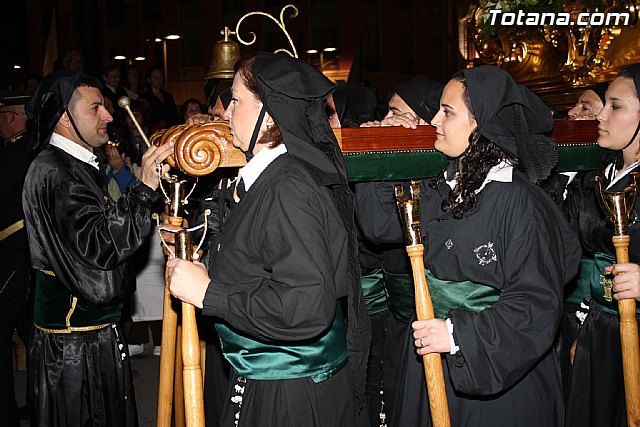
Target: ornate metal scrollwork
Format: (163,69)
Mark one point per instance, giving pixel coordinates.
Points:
(279,23)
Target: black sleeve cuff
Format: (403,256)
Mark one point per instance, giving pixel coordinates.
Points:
(145,194)
(214,302)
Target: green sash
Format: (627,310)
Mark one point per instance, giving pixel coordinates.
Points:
(445,294)
(578,289)
(448,295)
(56,310)
(599,283)
(375,296)
(319,359)
(401,295)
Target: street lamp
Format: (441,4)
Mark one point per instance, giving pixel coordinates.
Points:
(321,52)
(164,50)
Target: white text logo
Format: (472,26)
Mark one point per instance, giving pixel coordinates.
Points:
(499,17)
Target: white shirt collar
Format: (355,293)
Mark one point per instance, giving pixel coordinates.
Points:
(619,175)
(259,163)
(74,149)
(502,172)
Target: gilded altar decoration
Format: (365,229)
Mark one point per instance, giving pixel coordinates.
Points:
(554,45)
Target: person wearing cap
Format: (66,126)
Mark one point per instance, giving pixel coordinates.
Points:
(218,103)
(81,242)
(597,397)
(14,249)
(589,104)
(587,107)
(350,106)
(497,255)
(411,104)
(283,274)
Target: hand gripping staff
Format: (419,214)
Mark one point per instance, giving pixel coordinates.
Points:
(409,209)
(617,207)
(188,351)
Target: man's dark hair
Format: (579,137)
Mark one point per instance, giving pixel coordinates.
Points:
(89,81)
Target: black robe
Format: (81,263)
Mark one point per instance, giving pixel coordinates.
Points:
(596,396)
(278,270)
(79,234)
(515,240)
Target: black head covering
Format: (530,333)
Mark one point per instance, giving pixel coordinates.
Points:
(513,118)
(293,93)
(600,89)
(51,100)
(423,96)
(355,105)
(225,97)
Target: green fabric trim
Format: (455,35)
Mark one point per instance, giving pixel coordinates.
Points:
(400,166)
(319,359)
(579,288)
(448,295)
(375,296)
(601,261)
(580,157)
(53,302)
(401,295)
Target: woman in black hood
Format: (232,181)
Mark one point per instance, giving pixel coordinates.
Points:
(497,254)
(597,397)
(283,275)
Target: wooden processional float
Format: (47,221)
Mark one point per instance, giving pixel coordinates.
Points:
(371,154)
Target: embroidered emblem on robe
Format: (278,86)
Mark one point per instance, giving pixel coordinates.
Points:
(485,254)
(607,284)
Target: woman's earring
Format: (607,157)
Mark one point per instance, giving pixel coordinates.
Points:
(269,125)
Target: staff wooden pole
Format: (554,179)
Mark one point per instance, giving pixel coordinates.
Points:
(192,373)
(409,210)
(181,379)
(432,361)
(178,384)
(167,360)
(629,342)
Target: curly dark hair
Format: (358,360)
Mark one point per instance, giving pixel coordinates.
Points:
(474,165)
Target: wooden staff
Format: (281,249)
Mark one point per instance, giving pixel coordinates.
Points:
(409,209)
(191,379)
(167,359)
(191,371)
(618,206)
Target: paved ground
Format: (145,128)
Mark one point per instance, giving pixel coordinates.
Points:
(146,368)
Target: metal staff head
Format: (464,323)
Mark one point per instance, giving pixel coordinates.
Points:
(409,210)
(618,205)
(176,198)
(183,240)
(125,103)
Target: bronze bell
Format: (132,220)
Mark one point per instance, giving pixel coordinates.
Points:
(226,53)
